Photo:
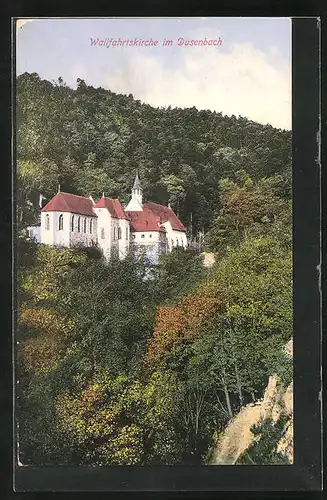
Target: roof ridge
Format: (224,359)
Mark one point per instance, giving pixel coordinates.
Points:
(158,204)
(66,205)
(72,194)
(106,198)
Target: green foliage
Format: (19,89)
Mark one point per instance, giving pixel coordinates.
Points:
(34,177)
(181,153)
(277,361)
(111,305)
(89,392)
(249,208)
(227,361)
(178,273)
(258,277)
(106,315)
(120,421)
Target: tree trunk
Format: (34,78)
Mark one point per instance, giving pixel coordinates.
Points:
(238,380)
(228,401)
(227,395)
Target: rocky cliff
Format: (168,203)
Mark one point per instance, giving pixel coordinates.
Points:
(275,409)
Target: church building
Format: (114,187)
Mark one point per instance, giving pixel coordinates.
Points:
(147,228)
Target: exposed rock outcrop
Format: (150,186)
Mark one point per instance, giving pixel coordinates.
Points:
(237,436)
(208,259)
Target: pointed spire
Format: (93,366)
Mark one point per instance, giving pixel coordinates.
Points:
(137,183)
(136,202)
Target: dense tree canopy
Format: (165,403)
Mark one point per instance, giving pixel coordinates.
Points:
(122,363)
(95,145)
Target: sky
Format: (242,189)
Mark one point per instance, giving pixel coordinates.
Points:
(248,75)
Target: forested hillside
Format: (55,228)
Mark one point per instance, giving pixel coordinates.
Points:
(91,140)
(124,363)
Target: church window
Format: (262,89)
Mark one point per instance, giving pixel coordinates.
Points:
(127,233)
(79,225)
(150,235)
(47,222)
(119,233)
(72,226)
(91,226)
(61,222)
(114,233)
(133,236)
(142,235)
(172,243)
(84,225)
(102,233)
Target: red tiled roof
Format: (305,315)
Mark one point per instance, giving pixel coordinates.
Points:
(144,221)
(151,217)
(66,202)
(165,214)
(114,206)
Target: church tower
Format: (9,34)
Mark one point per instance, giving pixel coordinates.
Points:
(136,202)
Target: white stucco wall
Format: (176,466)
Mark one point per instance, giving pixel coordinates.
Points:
(175,238)
(65,237)
(179,238)
(120,245)
(47,235)
(107,234)
(145,237)
(150,243)
(136,202)
(34,232)
(134,205)
(87,238)
(104,228)
(123,243)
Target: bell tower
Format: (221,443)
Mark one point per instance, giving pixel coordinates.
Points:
(136,202)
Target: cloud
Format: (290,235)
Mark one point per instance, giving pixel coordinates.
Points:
(241,80)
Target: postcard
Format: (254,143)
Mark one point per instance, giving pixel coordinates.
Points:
(154,243)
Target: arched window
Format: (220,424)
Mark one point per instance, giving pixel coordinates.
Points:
(61,222)
(91,226)
(47,222)
(79,225)
(119,233)
(72,223)
(127,233)
(84,225)
(114,233)
(172,243)
(102,233)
